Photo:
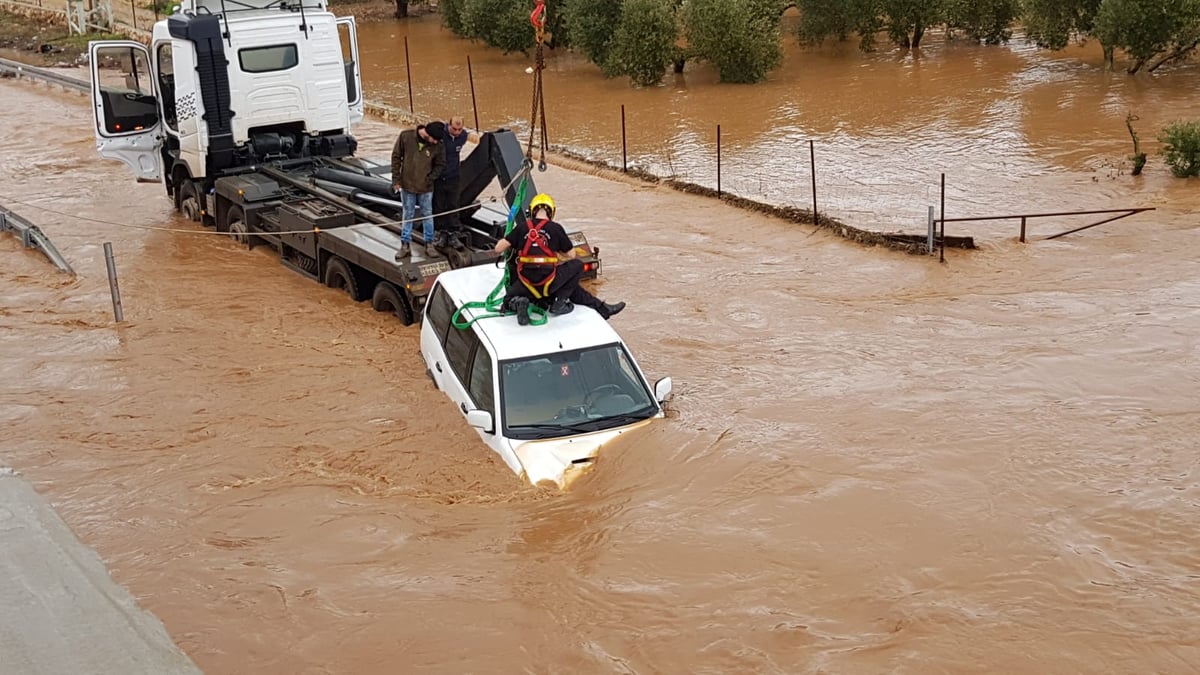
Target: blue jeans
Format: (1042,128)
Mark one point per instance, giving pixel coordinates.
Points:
(410,202)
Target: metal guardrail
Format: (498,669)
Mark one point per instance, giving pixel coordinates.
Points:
(19,69)
(32,237)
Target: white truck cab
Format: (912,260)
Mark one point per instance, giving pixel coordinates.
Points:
(225,84)
(545,398)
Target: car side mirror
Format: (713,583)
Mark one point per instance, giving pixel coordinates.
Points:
(662,389)
(481,419)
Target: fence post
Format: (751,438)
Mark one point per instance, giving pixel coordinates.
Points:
(624,151)
(943,253)
(812,167)
(112,282)
(133,13)
(1022,229)
(718,160)
(408,67)
(932,229)
(474,105)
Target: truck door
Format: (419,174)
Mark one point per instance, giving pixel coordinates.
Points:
(348,34)
(125,108)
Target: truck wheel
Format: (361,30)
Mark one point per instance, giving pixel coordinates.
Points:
(388,299)
(338,275)
(189,200)
(235,225)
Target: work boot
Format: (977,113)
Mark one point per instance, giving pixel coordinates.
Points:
(607,310)
(520,305)
(561,306)
(404,252)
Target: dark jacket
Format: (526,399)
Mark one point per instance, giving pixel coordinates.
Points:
(415,163)
(453,148)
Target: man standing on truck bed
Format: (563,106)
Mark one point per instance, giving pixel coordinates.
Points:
(546,267)
(445,188)
(417,160)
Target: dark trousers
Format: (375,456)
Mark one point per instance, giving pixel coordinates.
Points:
(565,285)
(445,198)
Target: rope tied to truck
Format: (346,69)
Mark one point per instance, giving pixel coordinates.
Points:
(493,306)
(537,113)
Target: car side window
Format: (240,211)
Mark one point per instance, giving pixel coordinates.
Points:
(438,312)
(460,347)
(480,386)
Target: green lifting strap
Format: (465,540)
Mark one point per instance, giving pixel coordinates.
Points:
(495,299)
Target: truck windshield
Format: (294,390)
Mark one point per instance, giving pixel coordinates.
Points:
(572,392)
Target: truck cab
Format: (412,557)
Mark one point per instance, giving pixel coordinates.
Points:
(226,84)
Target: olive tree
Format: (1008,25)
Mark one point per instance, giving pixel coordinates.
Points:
(452,16)
(591,25)
(1150,32)
(643,45)
(986,21)
(1181,148)
(904,21)
(1053,23)
(739,37)
(499,23)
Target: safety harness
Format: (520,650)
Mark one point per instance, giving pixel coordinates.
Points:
(537,254)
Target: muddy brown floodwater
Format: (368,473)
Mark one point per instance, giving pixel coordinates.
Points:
(874,463)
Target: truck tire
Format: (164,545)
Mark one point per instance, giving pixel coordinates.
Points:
(189,200)
(387,298)
(235,225)
(339,275)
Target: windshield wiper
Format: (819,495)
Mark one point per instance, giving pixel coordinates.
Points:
(563,426)
(625,418)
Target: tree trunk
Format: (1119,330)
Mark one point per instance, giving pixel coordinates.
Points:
(1108,56)
(1136,66)
(1179,53)
(918,33)
(401,9)
(679,65)
(1139,157)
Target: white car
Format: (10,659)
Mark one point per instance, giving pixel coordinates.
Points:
(545,398)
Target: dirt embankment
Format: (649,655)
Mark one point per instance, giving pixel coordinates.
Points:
(41,38)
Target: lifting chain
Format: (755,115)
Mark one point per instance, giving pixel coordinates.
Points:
(537,115)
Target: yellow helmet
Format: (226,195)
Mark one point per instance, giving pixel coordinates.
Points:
(542,199)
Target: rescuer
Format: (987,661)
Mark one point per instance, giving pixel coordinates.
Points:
(544,268)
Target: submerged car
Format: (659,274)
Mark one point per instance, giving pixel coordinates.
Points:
(545,398)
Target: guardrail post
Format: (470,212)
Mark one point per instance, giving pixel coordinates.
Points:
(112,282)
(1023,229)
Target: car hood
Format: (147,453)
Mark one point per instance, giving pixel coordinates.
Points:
(562,460)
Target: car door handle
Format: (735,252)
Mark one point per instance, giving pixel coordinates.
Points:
(438,365)
(463,407)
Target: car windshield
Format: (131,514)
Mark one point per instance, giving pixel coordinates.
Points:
(572,392)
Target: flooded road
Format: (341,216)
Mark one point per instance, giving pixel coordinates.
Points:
(875,463)
(998,121)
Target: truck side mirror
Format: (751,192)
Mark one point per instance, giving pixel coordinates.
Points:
(662,389)
(481,419)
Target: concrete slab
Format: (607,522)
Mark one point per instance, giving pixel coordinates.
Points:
(62,613)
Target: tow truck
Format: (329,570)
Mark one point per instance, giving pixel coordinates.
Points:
(242,110)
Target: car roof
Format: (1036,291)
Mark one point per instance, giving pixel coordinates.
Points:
(580,329)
